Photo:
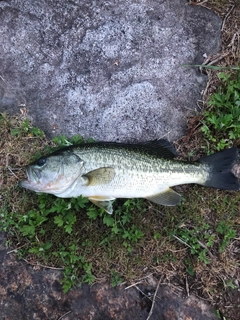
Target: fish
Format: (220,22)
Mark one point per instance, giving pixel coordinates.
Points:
(104,171)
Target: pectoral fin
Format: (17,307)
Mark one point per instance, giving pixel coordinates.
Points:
(103,202)
(167,198)
(100,176)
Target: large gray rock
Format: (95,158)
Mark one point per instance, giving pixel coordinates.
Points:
(110,70)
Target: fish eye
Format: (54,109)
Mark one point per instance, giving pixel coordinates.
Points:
(41,162)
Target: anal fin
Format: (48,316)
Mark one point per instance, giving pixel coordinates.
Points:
(103,202)
(167,197)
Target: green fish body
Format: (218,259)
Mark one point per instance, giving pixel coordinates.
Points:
(105,171)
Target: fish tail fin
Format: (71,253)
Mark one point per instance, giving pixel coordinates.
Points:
(220,165)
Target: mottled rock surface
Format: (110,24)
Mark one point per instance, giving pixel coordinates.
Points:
(28,293)
(110,70)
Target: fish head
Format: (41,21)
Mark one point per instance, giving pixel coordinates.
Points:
(54,173)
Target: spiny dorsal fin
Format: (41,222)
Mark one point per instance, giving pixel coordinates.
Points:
(160,148)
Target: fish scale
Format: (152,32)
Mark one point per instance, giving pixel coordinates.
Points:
(143,168)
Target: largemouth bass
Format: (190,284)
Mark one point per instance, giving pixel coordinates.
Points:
(104,171)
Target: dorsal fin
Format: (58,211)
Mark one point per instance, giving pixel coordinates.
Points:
(162,148)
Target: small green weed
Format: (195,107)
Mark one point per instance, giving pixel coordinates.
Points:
(116,278)
(226,233)
(67,212)
(59,142)
(198,240)
(63,141)
(120,223)
(73,262)
(202,238)
(221,124)
(230,284)
(189,267)
(41,249)
(27,129)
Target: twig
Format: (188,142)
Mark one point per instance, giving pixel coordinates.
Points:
(64,315)
(182,241)
(154,298)
(172,285)
(43,266)
(139,281)
(200,3)
(133,285)
(12,172)
(226,16)
(205,91)
(205,247)
(47,267)
(142,292)
(184,249)
(218,59)
(15,250)
(187,287)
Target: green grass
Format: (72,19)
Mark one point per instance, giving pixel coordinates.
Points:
(60,231)
(221,124)
(26,128)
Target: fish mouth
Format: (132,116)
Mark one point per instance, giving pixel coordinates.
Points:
(36,174)
(55,183)
(33,177)
(38,183)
